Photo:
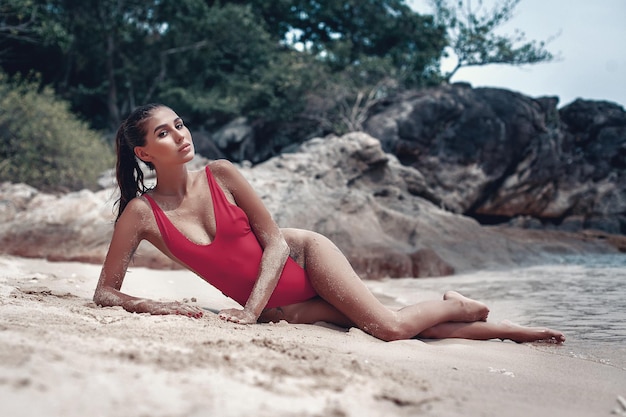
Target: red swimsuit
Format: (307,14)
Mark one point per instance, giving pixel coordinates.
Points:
(231,262)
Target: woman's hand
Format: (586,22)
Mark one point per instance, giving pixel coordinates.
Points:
(236,315)
(175,307)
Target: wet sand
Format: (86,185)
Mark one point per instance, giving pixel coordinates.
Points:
(60,355)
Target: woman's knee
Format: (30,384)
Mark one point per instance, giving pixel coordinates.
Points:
(389,330)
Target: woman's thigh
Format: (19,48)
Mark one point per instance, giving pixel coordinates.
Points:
(337,283)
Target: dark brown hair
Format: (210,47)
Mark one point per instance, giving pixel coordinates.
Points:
(129,175)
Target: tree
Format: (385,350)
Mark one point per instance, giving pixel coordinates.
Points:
(25,21)
(472,37)
(219,78)
(83,65)
(342,33)
(364,51)
(215,60)
(17,20)
(213,63)
(43,144)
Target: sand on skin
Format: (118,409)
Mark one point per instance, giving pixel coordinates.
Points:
(60,355)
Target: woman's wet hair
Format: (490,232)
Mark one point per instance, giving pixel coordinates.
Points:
(131,133)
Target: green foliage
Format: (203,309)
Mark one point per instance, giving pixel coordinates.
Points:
(362,50)
(340,102)
(238,69)
(344,33)
(29,22)
(216,60)
(473,39)
(293,68)
(300,67)
(43,144)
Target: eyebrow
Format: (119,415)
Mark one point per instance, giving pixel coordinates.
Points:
(165,124)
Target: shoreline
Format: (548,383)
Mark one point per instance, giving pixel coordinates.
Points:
(60,355)
(578,295)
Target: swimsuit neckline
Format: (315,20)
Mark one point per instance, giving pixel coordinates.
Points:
(173,226)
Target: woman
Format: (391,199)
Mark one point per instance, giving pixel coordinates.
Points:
(213,223)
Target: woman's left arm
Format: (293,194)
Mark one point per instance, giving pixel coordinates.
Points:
(275,248)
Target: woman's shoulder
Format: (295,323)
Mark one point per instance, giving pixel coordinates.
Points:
(136,219)
(223,170)
(229,177)
(221,166)
(137,208)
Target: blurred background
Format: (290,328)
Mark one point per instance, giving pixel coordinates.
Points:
(289,70)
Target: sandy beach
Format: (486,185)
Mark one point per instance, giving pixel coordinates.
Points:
(60,355)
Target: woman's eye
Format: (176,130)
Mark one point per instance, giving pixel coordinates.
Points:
(162,133)
(179,125)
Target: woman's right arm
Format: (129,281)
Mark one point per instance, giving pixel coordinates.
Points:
(129,230)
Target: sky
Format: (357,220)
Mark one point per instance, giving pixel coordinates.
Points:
(590,43)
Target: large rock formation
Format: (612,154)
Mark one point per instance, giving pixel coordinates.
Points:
(378,211)
(497,155)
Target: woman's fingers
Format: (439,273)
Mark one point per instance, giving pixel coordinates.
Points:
(237,316)
(228,315)
(178,308)
(189,311)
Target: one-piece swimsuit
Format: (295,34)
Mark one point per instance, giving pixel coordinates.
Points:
(231,261)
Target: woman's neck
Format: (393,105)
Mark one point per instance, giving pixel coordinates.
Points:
(172,181)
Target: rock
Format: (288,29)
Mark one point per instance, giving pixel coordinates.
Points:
(13,199)
(494,155)
(204,145)
(233,141)
(74,226)
(463,140)
(379,213)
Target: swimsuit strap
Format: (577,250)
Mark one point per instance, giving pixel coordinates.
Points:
(217,197)
(169,232)
(228,216)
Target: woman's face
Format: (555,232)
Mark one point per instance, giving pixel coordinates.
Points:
(168,141)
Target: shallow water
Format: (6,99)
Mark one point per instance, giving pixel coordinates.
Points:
(582,296)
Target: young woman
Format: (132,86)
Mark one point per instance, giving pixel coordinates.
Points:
(212,222)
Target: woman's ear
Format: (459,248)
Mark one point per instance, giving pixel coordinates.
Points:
(142,154)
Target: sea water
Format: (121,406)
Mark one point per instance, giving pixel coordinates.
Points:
(583,296)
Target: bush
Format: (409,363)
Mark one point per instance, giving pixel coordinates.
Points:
(43,144)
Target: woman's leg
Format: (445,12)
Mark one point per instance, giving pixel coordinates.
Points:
(486,330)
(336,282)
(315,310)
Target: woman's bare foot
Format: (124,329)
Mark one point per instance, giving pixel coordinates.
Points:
(522,334)
(475,310)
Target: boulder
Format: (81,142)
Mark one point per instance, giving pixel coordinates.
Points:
(494,154)
(379,212)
